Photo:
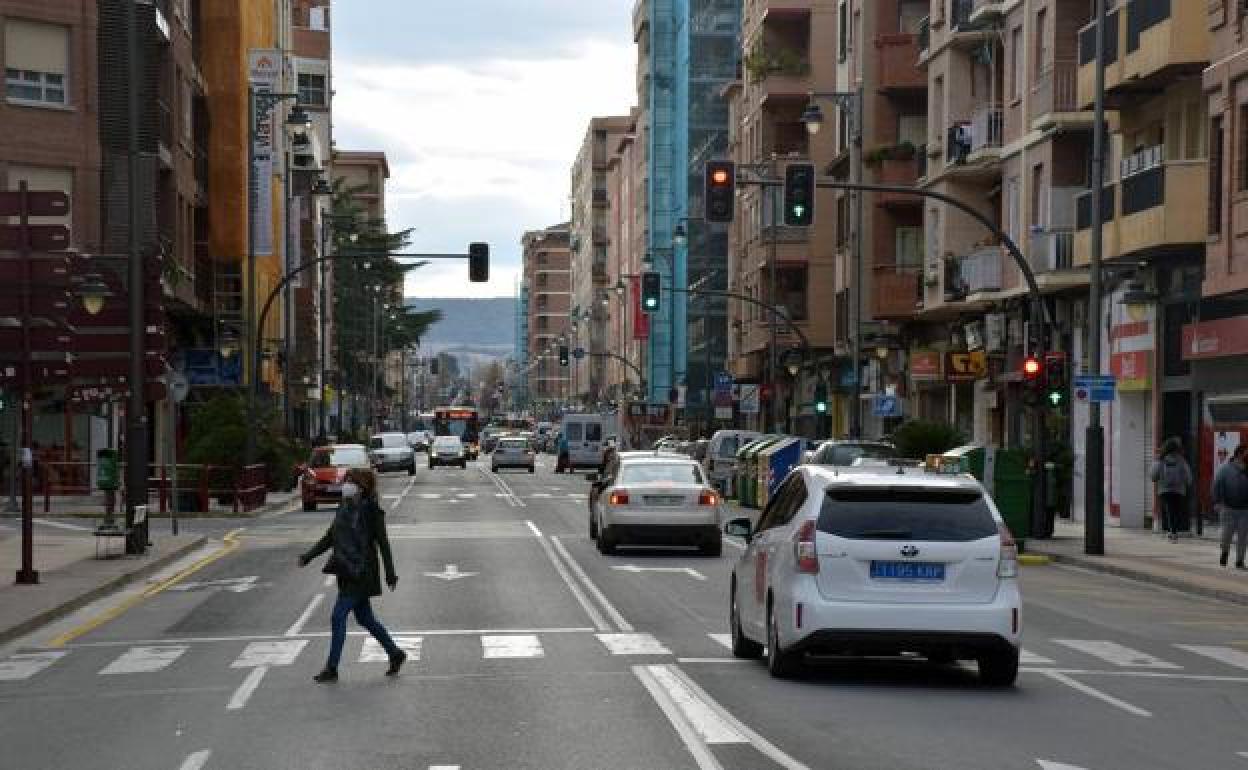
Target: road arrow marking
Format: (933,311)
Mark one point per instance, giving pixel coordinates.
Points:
(450,573)
(237,585)
(693,573)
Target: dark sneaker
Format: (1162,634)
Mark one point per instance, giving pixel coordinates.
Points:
(326,676)
(396,663)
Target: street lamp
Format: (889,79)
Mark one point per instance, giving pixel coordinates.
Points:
(227,343)
(813,118)
(680,236)
(93,292)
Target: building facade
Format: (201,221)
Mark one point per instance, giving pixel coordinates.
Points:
(547,266)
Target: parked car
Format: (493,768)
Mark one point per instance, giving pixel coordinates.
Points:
(447,450)
(842,453)
(391,452)
(513,452)
(721,457)
(655,498)
(320,479)
(877,562)
(418,440)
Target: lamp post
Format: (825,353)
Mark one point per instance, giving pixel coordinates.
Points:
(298,118)
(850,102)
(322,189)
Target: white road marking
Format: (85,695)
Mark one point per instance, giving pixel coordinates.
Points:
(632,644)
(451,573)
(306,615)
(237,585)
(501,494)
(466,495)
(391,497)
(1227,655)
(1057,676)
(1242,754)
(724,640)
(1029,658)
(196,761)
(443,767)
(329,581)
(710,727)
(1123,674)
(541,494)
(245,690)
(281,653)
(64,525)
(701,754)
(1117,654)
(693,573)
(1046,764)
(511,646)
(143,660)
(612,612)
(24,665)
(372,652)
(595,617)
(533,528)
(715,660)
(431,495)
(323,634)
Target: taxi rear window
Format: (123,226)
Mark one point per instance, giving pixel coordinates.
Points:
(906,513)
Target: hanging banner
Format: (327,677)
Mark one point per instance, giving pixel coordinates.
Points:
(265,68)
(641,319)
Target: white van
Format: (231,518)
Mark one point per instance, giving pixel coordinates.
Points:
(586,434)
(721,457)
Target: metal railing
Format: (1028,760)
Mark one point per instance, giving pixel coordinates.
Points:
(1052,249)
(235,489)
(925,35)
(1056,88)
(981,270)
(987,127)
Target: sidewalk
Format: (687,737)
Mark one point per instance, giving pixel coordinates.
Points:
(1189,565)
(92,506)
(70,577)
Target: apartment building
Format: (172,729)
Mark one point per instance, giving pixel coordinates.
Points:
(547,273)
(591,204)
(790,51)
(627,326)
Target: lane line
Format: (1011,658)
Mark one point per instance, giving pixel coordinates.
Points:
(230,543)
(1227,655)
(324,634)
(619,620)
(145,660)
(632,644)
(297,628)
(24,665)
(723,640)
(701,753)
(710,726)
(1117,654)
(594,616)
(1140,675)
(533,528)
(443,767)
(329,581)
(64,525)
(716,660)
(245,690)
(1092,692)
(196,761)
(766,747)
(1029,658)
(511,646)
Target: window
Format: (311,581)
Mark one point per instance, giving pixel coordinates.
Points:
(1012,206)
(912,129)
(842,222)
(1042,41)
(656,473)
(909,243)
(543,322)
(842,30)
(787,502)
(36,62)
(1241,183)
(312,89)
(938,107)
(1038,214)
(318,18)
(541,280)
(791,291)
(1016,63)
(906,513)
(1215,176)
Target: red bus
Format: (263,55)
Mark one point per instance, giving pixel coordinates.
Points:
(461,421)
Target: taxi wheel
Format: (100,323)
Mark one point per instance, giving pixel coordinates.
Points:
(780,664)
(411,469)
(309,506)
(998,669)
(606,542)
(742,646)
(593,526)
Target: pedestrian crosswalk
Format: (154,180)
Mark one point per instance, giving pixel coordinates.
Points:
(438,648)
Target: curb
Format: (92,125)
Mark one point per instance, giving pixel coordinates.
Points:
(1035,559)
(263,510)
(1144,576)
(100,591)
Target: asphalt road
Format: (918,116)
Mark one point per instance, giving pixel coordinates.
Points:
(529,649)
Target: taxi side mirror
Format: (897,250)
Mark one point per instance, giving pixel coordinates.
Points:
(739,528)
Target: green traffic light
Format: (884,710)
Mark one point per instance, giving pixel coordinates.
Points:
(1056,397)
(799,211)
(821,407)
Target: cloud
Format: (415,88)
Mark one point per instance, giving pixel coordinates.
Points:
(480,147)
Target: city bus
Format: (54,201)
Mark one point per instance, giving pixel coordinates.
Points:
(461,421)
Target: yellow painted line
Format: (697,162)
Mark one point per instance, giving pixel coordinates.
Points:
(1034,559)
(231,544)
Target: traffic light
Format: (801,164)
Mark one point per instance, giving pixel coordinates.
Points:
(479,262)
(651,288)
(1055,379)
(821,398)
(799,194)
(563,355)
(1033,380)
(721,190)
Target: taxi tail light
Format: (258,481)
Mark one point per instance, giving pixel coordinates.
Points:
(804,549)
(619,497)
(1007,567)
(708,497)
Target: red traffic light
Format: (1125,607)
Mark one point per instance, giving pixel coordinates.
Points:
(1031,368)
(719,176)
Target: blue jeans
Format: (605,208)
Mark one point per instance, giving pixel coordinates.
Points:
(365,617)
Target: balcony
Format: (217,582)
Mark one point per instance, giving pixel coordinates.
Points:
(903,172)
(966,31)
(164,121)
(600,198)
(924,37)
(1149,45)
(981,270)
(1051,249)
(987,131)
(896,292)
(1054,96)
(984,11)
(897,57)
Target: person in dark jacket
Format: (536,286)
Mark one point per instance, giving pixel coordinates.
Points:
(1173,477)
(1230,499)
(356,535)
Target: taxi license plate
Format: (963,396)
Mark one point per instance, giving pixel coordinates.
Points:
(908,571)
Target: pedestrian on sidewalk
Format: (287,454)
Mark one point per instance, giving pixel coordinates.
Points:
(357,533)
(1230,499)
(1173,477)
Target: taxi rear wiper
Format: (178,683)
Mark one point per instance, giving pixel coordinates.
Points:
(885,534)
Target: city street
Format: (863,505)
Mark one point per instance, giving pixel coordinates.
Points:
(529,649)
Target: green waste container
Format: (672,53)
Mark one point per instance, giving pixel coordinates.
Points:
(106,476)
(1003,472)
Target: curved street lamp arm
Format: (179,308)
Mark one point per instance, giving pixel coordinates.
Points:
(636,370)
(775,311)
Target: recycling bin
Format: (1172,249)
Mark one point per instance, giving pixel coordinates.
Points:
(774,463)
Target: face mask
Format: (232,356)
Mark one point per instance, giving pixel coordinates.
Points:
(350,490)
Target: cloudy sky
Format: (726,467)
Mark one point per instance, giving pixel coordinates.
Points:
(480,106)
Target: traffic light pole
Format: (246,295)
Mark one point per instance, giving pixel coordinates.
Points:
(1094,440)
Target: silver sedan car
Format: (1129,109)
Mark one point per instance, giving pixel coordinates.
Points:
(513,452)
(655,499)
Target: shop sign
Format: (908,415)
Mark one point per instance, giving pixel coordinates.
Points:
(1216,339)
(1132,370)
(966,367)
(925,365)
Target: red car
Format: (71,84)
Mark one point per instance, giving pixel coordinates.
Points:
(320,481)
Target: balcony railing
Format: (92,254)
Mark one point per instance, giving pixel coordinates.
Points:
(897,56)
(1056,89)
(981,270)
(925,35)
(1051,249)
(898,291)
(920,161)
(987,127)
(1142,160)
(958,142)
(960,13)
(1087,40)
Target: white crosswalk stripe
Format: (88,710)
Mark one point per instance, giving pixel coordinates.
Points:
(724,640)
(1116,654)
(24,665)
(281,653)
(372,652)
(632,644)
(1029,658)
(145,660)
(1227,655)
(511,646)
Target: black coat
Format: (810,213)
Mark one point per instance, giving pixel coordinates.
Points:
(369,584)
